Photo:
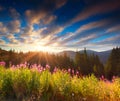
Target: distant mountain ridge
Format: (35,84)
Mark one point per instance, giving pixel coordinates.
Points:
(104,55)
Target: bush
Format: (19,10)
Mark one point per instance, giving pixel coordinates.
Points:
(39,84)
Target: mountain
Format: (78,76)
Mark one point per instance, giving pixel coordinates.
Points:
(71,54)
(102,55)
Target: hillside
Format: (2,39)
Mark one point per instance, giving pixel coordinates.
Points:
(102,55)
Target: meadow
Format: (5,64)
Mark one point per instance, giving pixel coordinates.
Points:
(37,83)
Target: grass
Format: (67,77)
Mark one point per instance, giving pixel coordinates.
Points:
(20,83)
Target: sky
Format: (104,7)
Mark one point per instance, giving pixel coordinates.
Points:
(57,25)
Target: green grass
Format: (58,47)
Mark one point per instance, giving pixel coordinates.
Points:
(23,84)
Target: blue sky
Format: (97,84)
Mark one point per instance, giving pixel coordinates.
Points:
(57,25)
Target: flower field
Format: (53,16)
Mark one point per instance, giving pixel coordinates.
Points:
(37,83)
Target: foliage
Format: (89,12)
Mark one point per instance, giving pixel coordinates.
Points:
(11,57)
(82,62)
(38,83)
(113,64)
(88,63)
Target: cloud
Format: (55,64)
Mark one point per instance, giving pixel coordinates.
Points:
(59,3)
(56,39)
(14,41)
(49,19)
(26,31)
(29,31)
(99,47)
(82,41)
(81,32)
(10,36)
(47,23)
(11,27)
(8,30)
(3,29)
(35,17)
(1,8)
(68,37)
(13,13)
(52,30)
(40,17)
(113,29)
(29,35)
(105,44)
(111,40)
(99,8)
(86,39)
(92,25)
(2,42)
(117,37)
(43,11)
(11,39)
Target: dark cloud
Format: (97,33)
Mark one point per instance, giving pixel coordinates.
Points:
(51,31)
(43,11)
(1,8)
(98,8)
(14,14)
(61,23)
(83,31)
(13,26)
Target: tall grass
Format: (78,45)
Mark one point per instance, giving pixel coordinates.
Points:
(20,83)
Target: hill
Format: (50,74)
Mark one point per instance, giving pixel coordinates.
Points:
(104,55)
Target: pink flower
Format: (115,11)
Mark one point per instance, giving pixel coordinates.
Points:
(44,69)
(55,69)
(77,73)
(39,70)
(102,78)
(73,72)
(47,67)
(69,70)
(113,78)
(2,63)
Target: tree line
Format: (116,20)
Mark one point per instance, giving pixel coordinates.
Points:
(84,63)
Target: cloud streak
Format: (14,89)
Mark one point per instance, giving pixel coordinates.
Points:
(56,24)
(99,8)
(10,27)
(44,11)
(81,32)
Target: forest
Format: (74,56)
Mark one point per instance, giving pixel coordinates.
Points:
(82,62)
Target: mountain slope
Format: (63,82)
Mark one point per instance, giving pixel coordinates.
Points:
(102,55)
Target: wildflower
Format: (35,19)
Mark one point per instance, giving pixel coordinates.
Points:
(63,70)
(47,67)
(22,65)
(102,78)
(113,78)
(77,72)
(25,63)
(69,70)
(13,67)
(39,66)
(55,69)
(73,72)
(2,63)
(39,70)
